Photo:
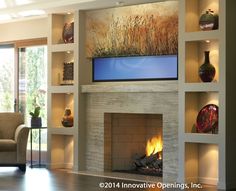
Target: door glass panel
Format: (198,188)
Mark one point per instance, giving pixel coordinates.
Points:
(33,88)
(7,78)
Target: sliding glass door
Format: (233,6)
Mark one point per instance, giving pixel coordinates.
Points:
(23,85)
(33,92)
(33,81)
(7,78)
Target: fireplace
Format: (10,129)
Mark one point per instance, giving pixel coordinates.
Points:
(134,143)
(149,100)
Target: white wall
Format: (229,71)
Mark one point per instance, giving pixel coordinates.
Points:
(28,29)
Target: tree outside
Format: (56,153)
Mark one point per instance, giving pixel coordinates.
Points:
(33,87)
(7,79)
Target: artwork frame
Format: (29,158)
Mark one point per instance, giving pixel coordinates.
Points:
(146,29)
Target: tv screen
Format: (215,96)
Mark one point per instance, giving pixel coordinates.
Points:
(163,67)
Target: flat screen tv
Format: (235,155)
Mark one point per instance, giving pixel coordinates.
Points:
(161,67)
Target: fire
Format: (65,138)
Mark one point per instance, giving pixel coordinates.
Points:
(153,146)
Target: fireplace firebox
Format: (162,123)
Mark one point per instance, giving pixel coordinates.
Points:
(133,143)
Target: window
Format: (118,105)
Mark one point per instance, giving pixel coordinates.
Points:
(33,87)
(7,78)
(23,83)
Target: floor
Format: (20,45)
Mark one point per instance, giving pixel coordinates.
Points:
(41,179)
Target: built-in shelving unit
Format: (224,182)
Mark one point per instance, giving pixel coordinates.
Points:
(66,145)
(201,159)
(62,94)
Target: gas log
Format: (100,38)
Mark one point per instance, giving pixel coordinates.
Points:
(149,165)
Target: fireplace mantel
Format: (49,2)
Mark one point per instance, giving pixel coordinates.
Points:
(131,87)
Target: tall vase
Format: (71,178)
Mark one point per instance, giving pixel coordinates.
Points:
(207,70)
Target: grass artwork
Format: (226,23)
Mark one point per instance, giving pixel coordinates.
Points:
(149,29)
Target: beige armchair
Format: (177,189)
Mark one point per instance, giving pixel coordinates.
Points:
(13,140)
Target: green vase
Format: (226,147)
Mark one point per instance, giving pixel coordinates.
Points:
(208,21)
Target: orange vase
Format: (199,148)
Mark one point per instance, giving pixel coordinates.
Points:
(67,120)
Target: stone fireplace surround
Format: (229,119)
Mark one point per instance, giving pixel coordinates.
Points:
(159,97)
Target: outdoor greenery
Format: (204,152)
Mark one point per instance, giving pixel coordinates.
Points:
(7,79)
(33,81)
(33,86)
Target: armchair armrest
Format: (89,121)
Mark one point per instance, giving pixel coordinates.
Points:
(21,138)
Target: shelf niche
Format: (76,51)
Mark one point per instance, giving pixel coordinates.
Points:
(195,58)
(194,9)
(194,102)
(61,101)
(58,23)
(201,163)
(58,60)
(62,151)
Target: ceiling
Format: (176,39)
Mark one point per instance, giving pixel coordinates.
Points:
(15,10)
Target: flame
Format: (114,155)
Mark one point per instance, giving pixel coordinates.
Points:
(154,145)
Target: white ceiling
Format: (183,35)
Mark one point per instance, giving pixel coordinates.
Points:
(14,10)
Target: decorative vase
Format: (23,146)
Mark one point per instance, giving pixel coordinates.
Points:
(208,21)
(207,70)
(67,120)
(207,119)
(68,33)
(36,122)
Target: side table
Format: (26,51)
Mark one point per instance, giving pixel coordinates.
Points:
(31,147)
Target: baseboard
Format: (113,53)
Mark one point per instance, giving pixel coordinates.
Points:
(60,165)
(191,180)
(207,180)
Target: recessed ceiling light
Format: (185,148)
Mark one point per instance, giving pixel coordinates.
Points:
(31,13)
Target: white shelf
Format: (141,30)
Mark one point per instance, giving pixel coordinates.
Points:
(62,89)
(201,87)
(201,138)
(62,130)
(63,96)
(194,94)
(201,35)
(63,47)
